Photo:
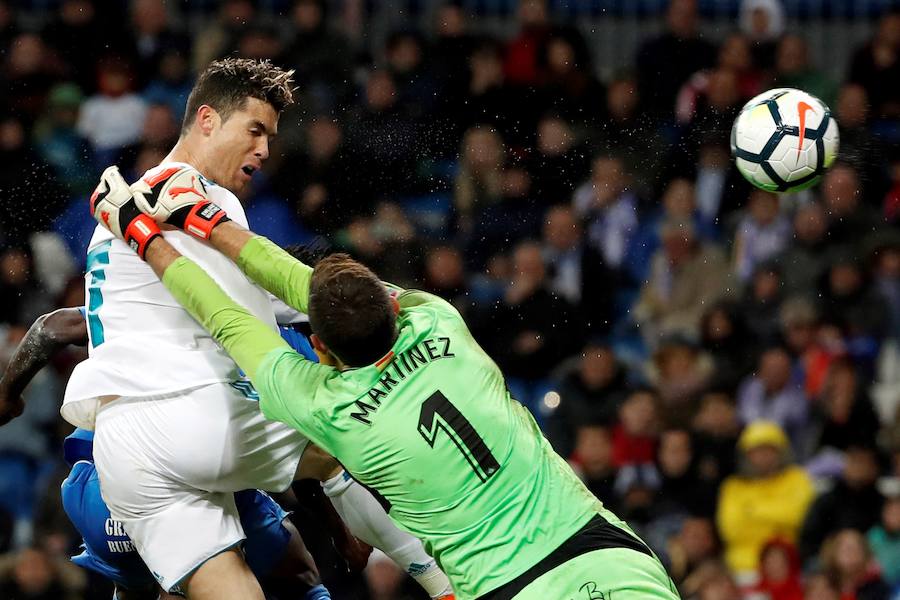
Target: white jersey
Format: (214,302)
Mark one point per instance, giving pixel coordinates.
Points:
(142,342)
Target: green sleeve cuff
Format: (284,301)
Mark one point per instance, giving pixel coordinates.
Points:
(275,270)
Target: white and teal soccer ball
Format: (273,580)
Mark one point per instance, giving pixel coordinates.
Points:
(784,140)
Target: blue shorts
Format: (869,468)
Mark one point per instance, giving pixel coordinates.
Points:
(107,550)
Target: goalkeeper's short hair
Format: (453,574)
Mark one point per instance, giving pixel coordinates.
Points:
(351,311)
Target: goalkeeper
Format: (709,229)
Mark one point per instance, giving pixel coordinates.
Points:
(410,404)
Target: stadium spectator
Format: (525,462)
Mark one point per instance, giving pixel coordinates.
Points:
(779,572)
(532,329)
(853,502)
(735,56)
(316,184)
(59,143)
(417,88)
(521,63)
(451,50)
(774,395)
(444,275)
(479,182)
(558,163)
(763,21)
(609,208)
(569,87)
(28,180)
(576,271)
(380,131)
(33,574)
(884,539)
(850,221)
(387,241)
(154,32)
(768,498)
(848,299)
(761,234)
(885,268)
(78,24)
(591,389)
(679,370)
(847,559)
(726,340)
(715,428)
(682,491)
(876,67)
(658,77)
(592,460)
(711,581)
(845,413)
(805,260)
(678,204)
(859,146)
(112,118)
(794,69)
(628,132)
(694,544)
(819,586)
(487,99)
(635,434)
(220,33)
(171,83)
(762,297)
(30,70)
(685,274)
(710,123)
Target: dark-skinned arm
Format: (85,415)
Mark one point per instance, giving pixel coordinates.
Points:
(46,336)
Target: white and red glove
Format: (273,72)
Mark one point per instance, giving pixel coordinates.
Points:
(177,196)
(114,206)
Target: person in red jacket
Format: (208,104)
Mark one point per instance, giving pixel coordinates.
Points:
(779,571)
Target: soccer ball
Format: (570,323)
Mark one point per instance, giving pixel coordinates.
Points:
(784,140)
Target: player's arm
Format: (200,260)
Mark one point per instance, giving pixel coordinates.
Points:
(47,335)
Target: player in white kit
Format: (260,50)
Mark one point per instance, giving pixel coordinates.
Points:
(177,428)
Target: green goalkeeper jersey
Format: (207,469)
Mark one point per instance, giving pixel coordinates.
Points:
(431,427)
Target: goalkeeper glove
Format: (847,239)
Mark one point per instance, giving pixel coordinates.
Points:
(113,205)
(177,196)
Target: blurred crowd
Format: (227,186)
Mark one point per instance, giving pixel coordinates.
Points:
(720,364)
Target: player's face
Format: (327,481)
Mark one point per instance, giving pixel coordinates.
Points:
(240,144)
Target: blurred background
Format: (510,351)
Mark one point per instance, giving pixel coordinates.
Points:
(720,364)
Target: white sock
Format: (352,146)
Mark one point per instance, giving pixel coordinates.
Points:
(367,520)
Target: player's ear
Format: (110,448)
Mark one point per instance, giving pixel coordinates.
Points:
(207,119)
(395,305)
(322,351)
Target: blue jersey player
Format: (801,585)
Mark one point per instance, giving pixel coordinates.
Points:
(273,548)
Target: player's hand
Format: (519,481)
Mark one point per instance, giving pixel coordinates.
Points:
(178,197)
(113,205)
(354,551)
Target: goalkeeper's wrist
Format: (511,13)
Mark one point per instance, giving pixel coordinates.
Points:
(199,219)
(140,232)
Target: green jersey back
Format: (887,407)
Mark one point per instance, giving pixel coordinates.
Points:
(433,429)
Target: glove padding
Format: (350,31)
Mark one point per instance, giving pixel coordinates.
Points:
(113,205)
(177,196)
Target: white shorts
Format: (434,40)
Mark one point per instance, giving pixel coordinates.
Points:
(169,465)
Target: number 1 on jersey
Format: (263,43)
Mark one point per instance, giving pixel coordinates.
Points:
(439,413)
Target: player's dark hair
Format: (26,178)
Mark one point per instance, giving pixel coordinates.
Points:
(226,84)
(351,311)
